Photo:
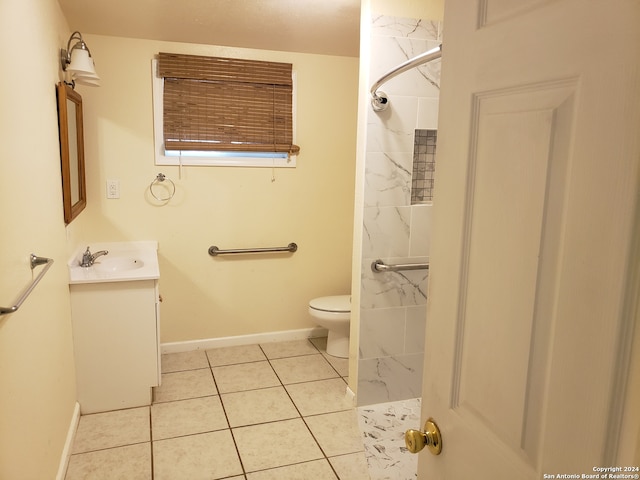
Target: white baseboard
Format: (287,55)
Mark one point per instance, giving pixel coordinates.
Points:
(190,345)
(203,344)
(350,396)
(68,444)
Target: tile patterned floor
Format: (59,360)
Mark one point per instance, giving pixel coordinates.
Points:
(383,426)
(255,412)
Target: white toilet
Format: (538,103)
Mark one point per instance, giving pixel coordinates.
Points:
(334,314)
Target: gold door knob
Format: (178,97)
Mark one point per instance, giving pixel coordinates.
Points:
(431,438)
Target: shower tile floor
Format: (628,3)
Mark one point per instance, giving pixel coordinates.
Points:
(383,426)
(255,412)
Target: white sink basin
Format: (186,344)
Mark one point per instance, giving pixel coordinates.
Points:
(109,264)
(126,261)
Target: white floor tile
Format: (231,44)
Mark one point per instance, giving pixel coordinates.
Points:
(316,470)
(351,467)
(337,433)
(258,406)
(112,429)
(187,417)
(277,444)
(196,457)
(245,376)
(322,396)
(177,362)
(292,348)
(303,369)
(132,462)
(183,385)
(281,408)
(236,354)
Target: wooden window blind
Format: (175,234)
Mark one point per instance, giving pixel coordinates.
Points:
(226,104)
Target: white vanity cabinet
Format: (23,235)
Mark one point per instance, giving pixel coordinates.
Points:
(116,328)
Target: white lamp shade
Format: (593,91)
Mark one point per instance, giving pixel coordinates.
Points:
(81,63)
(92,81)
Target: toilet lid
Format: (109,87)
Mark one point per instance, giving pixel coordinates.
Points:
(335,303)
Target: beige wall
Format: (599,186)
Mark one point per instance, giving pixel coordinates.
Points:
(204,297)
(231,207)
(431,9)
(37,380)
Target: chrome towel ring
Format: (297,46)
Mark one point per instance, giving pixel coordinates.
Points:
(171,188)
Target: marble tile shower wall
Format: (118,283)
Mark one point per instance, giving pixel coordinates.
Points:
(393,304)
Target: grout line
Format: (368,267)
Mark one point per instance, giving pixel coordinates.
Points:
(298,463)
(231,430)
(219,394)
(326,458)
(226,417)
(151,436)
(109,448)
(271,365)
(307,425)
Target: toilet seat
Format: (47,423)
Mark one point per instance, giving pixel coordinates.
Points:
(332,304)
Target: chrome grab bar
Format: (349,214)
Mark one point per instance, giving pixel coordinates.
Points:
(34,261)
(213,251)
(380,266)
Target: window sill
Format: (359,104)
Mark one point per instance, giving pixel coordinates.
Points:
(224,159)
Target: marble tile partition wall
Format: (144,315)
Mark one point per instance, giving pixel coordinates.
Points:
(393,304)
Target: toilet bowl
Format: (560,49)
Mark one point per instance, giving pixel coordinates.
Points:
(334,314)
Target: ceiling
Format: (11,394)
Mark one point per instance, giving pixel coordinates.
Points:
(327,27)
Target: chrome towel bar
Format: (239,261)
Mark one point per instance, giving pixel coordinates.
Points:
(380,266)
(35,261)
(213,251)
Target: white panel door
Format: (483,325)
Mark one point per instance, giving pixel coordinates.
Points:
(534,208)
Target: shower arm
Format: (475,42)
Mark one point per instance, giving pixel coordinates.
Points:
(379,100)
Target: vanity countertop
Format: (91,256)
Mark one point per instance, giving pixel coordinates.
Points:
(125,262)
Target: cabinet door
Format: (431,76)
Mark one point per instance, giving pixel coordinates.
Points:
(116,344)
(157,300)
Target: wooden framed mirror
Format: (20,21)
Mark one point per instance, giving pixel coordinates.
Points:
(74,189)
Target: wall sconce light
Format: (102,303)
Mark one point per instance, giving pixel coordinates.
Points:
(77,61)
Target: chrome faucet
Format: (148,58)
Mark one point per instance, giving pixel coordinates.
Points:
(88,258)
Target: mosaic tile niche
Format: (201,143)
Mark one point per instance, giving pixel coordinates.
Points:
(424,166)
